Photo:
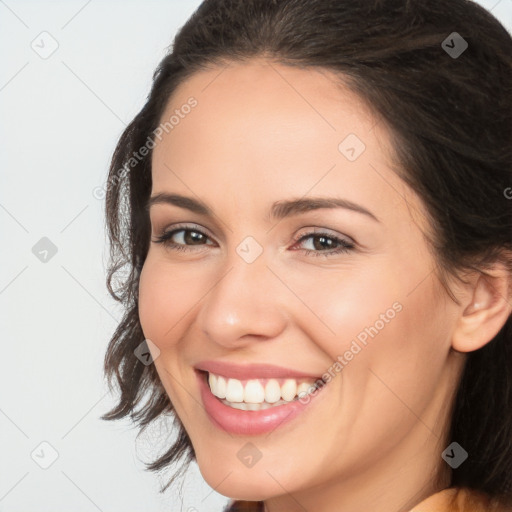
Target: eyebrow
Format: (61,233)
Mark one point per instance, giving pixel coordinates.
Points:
(278,211)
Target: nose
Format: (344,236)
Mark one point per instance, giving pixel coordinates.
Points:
(246,303)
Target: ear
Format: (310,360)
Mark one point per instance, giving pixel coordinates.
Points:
(484,310)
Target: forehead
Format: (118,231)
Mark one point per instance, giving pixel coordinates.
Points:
(261,102)
(263,130)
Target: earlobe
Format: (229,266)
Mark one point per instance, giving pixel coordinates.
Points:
(485,312)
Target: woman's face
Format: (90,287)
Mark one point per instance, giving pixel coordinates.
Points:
(272,297)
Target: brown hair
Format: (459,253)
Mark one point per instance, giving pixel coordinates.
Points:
(451,121)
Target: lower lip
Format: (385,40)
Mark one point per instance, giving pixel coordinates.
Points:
(236,421)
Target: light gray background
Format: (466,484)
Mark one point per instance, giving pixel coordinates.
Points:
(60,119)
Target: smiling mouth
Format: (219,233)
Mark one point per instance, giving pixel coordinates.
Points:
(260,394)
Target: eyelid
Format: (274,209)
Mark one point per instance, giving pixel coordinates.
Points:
(162,216)
(303,232)
(346,245)
(187,226)
(313,230)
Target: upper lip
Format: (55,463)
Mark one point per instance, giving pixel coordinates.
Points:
(251,371)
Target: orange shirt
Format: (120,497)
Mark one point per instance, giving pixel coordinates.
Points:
(448,500)
(459,500)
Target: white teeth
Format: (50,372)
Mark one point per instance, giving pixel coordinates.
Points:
(301,389)
(252,395)
(221,387)
(238,405)
(254,392)
(272,391)
(217,385)
(289,389)
(212,381)
(234,391)
(247,407)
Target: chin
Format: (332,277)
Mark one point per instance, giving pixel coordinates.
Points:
(233,480)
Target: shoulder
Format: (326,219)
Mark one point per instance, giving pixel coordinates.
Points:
(460,499)
(469,499)
(453,499)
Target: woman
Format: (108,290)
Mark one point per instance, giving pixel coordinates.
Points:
(314,210)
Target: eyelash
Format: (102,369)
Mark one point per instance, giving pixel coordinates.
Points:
(345,246)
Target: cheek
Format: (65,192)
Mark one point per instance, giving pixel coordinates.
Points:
(353,304)
(378,320)
(401,360)
(165,298)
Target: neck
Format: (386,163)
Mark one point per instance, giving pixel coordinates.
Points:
(412,471)
(396,487)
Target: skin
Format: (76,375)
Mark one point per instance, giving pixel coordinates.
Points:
(372,438)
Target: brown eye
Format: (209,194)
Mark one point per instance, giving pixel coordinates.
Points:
(325,244)
(181,238)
